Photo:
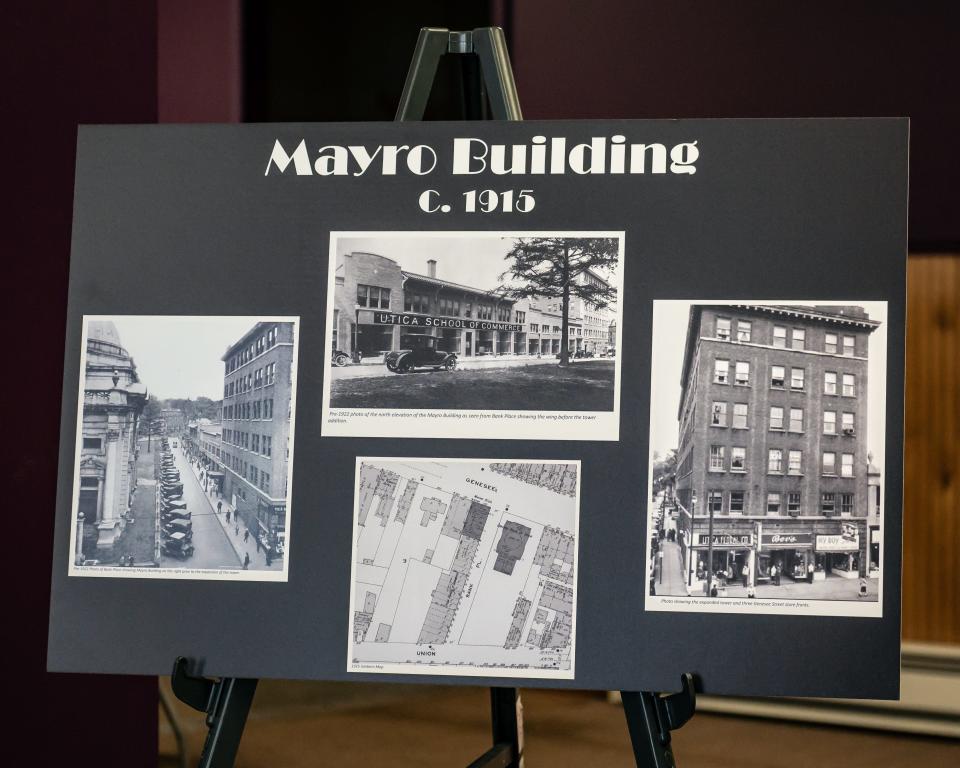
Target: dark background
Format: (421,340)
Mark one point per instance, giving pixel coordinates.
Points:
(120,61)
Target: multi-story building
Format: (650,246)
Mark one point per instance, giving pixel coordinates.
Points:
(209,442)
(377,304)
(772,458)
(596,320)
(543,322)
(173,420)
(254,452)
(113,398)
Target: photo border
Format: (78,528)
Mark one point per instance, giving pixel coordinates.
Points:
(186,573)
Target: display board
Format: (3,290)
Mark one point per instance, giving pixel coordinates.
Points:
(577,404)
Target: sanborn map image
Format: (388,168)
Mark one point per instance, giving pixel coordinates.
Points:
(465,567)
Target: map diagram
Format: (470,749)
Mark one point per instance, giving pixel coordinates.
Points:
(464,567)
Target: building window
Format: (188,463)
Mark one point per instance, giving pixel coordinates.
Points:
(779,336)
(777,376)
(715,502)
(723,328)
(829,422)
(799,337)
(846,503)
(738,459)
(796,419)
(719,415)
(736,502)
(846,465)
(373,296)
(775,460)
(793,504)
(773,503)
(828,503)
(92,444)
(740,415)
(416,302)
(830,383)
(796,379)
(742,373)
(534,328)
(522,318)
(716,458)
(743,330)
(849,346)
(829,463)
(721,371)
(849,385)
(267,445)
(848,428)
(830,343)
(776,417)
(795,462)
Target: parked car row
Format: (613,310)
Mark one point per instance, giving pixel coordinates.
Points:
(175,524)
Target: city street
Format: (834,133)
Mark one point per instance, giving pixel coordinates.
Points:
(212,548)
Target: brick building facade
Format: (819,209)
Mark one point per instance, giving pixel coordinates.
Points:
(256,412)
(377,304)
(773,455)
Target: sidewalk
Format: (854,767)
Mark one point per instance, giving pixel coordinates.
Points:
(372,368)
(235,529)
(671,581)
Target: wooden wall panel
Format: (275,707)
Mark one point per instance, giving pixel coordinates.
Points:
(931,537)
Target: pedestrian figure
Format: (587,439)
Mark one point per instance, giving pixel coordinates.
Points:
(228,517)
(810,572)
(246,536)
(246,560)
(269,558)
(745,574)
(258,546)
(219,507)
(236,529)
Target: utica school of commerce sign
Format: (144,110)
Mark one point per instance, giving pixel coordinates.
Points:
(374,317)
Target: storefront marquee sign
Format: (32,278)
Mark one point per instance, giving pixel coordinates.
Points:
(724,540)
(839,542)
(374,317)
(786,540)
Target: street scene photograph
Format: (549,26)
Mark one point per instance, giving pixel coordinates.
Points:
(479,324)
(767,443)
(184,447)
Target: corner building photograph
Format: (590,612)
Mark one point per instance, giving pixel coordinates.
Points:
(774,483)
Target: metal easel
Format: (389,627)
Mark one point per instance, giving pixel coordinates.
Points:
(488,91)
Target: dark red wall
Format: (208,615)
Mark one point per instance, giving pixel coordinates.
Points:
(63,63)
(756,58)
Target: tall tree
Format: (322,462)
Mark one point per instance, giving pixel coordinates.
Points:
(556,268)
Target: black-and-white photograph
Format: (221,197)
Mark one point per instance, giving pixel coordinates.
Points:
(517,333)
(767,452)
(184,447)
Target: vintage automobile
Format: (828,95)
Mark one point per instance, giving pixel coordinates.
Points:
(169,506)
(419,352)
(174,514)
(178,525)
(177,545)
(171,494)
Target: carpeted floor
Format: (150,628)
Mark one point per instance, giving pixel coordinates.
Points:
(374,725)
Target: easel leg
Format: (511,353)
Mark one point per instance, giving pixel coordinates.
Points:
(507,749)
(226,703)
(651,717)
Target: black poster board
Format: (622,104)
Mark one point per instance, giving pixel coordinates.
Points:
(184,221)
